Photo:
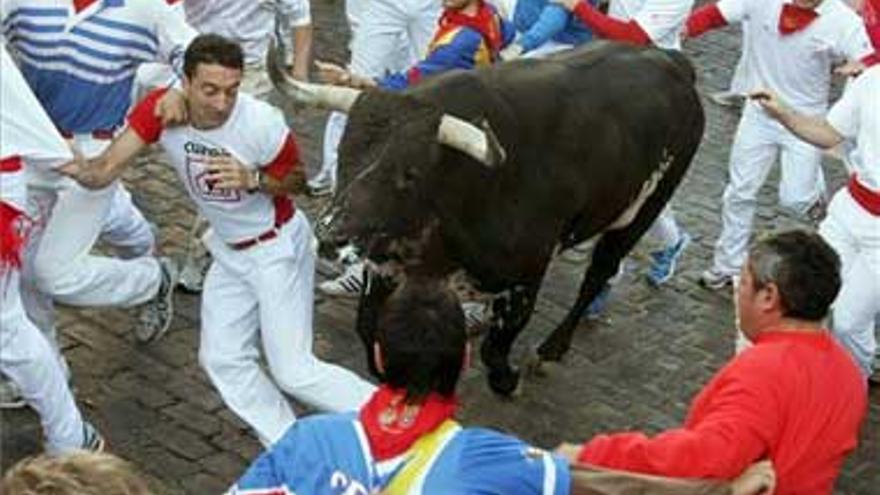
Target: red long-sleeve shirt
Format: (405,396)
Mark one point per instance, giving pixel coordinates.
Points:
(796,398)
(610,28)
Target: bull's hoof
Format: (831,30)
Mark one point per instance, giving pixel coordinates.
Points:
(535,366)
(550,353)
(504,383)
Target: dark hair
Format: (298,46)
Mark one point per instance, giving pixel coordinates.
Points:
(212,49)
(805,269)
(423,339)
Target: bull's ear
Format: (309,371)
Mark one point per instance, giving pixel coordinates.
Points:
(495,151)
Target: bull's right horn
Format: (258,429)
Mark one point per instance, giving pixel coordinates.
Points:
(480,144)
(326,96)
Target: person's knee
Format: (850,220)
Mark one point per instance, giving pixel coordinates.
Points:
(53,278)
(294,371)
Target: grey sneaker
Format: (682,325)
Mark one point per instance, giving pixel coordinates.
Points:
(713,279)
(349,284)
(92,440)
(156,314)
(192,274)
(10,395)
(318,191)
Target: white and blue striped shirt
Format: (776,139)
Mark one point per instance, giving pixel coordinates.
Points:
(81,65)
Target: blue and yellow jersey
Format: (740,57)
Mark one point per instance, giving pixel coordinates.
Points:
(330,455)
(461,42)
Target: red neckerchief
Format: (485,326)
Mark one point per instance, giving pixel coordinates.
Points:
(11,236)
(484,22)
(793,18)
(871,16)
(392,425)
(80,5)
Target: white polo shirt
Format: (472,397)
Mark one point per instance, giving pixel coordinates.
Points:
(250,22)
(797,66)
(662,20)
(856,116)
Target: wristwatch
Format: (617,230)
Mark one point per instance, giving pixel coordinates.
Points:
(258,181)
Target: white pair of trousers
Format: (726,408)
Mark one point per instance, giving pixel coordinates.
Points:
(759,141)
(74,217)
(855,234)
(261,298)
(28,359)
(387,36)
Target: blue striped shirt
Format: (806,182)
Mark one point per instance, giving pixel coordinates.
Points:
(81,65)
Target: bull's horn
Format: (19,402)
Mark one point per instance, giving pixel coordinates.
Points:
(321,95)
(480,144)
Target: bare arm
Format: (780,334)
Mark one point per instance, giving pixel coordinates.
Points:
(99,172)
(302,45)
(228,173)
(814,130)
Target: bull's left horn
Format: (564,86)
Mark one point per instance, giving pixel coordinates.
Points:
(320,95)
(480,144)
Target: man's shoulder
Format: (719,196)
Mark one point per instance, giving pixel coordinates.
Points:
(256,113)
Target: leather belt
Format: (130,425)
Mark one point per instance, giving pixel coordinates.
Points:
(253,241)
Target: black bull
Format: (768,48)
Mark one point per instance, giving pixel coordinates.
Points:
(597,139)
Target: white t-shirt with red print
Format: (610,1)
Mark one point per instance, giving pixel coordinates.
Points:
(256,135)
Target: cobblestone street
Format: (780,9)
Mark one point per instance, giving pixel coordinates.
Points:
(638,367)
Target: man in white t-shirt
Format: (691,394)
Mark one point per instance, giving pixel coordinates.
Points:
(792,48)
(29,140)
(239,163)
(852,226)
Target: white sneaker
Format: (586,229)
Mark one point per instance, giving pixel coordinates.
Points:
(713,279)
(92,439)
(156,314)
(193,271)
(10,395)
(349,284)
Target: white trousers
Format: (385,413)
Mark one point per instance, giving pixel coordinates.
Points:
(65,270)
(387,36)
(28,359)
(264,295)
(855,234)
(758,142)
(74,218)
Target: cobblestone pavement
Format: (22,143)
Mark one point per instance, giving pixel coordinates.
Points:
(637,368)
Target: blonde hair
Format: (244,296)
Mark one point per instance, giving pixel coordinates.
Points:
(80,473)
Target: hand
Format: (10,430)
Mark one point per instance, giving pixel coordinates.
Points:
(568,4)
(225,172)
(171,108)
(512,52)
(333,74)
(74,168)
(852,68)
(759,478)
(569,451)
(769,102)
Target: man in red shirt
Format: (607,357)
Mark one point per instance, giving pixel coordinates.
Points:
(796,397)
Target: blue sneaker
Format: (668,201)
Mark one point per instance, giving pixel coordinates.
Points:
(663,261)
(597,305)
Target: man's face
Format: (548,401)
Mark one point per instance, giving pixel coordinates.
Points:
(457,4)
(211,94)
(807,4)
(756,306)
